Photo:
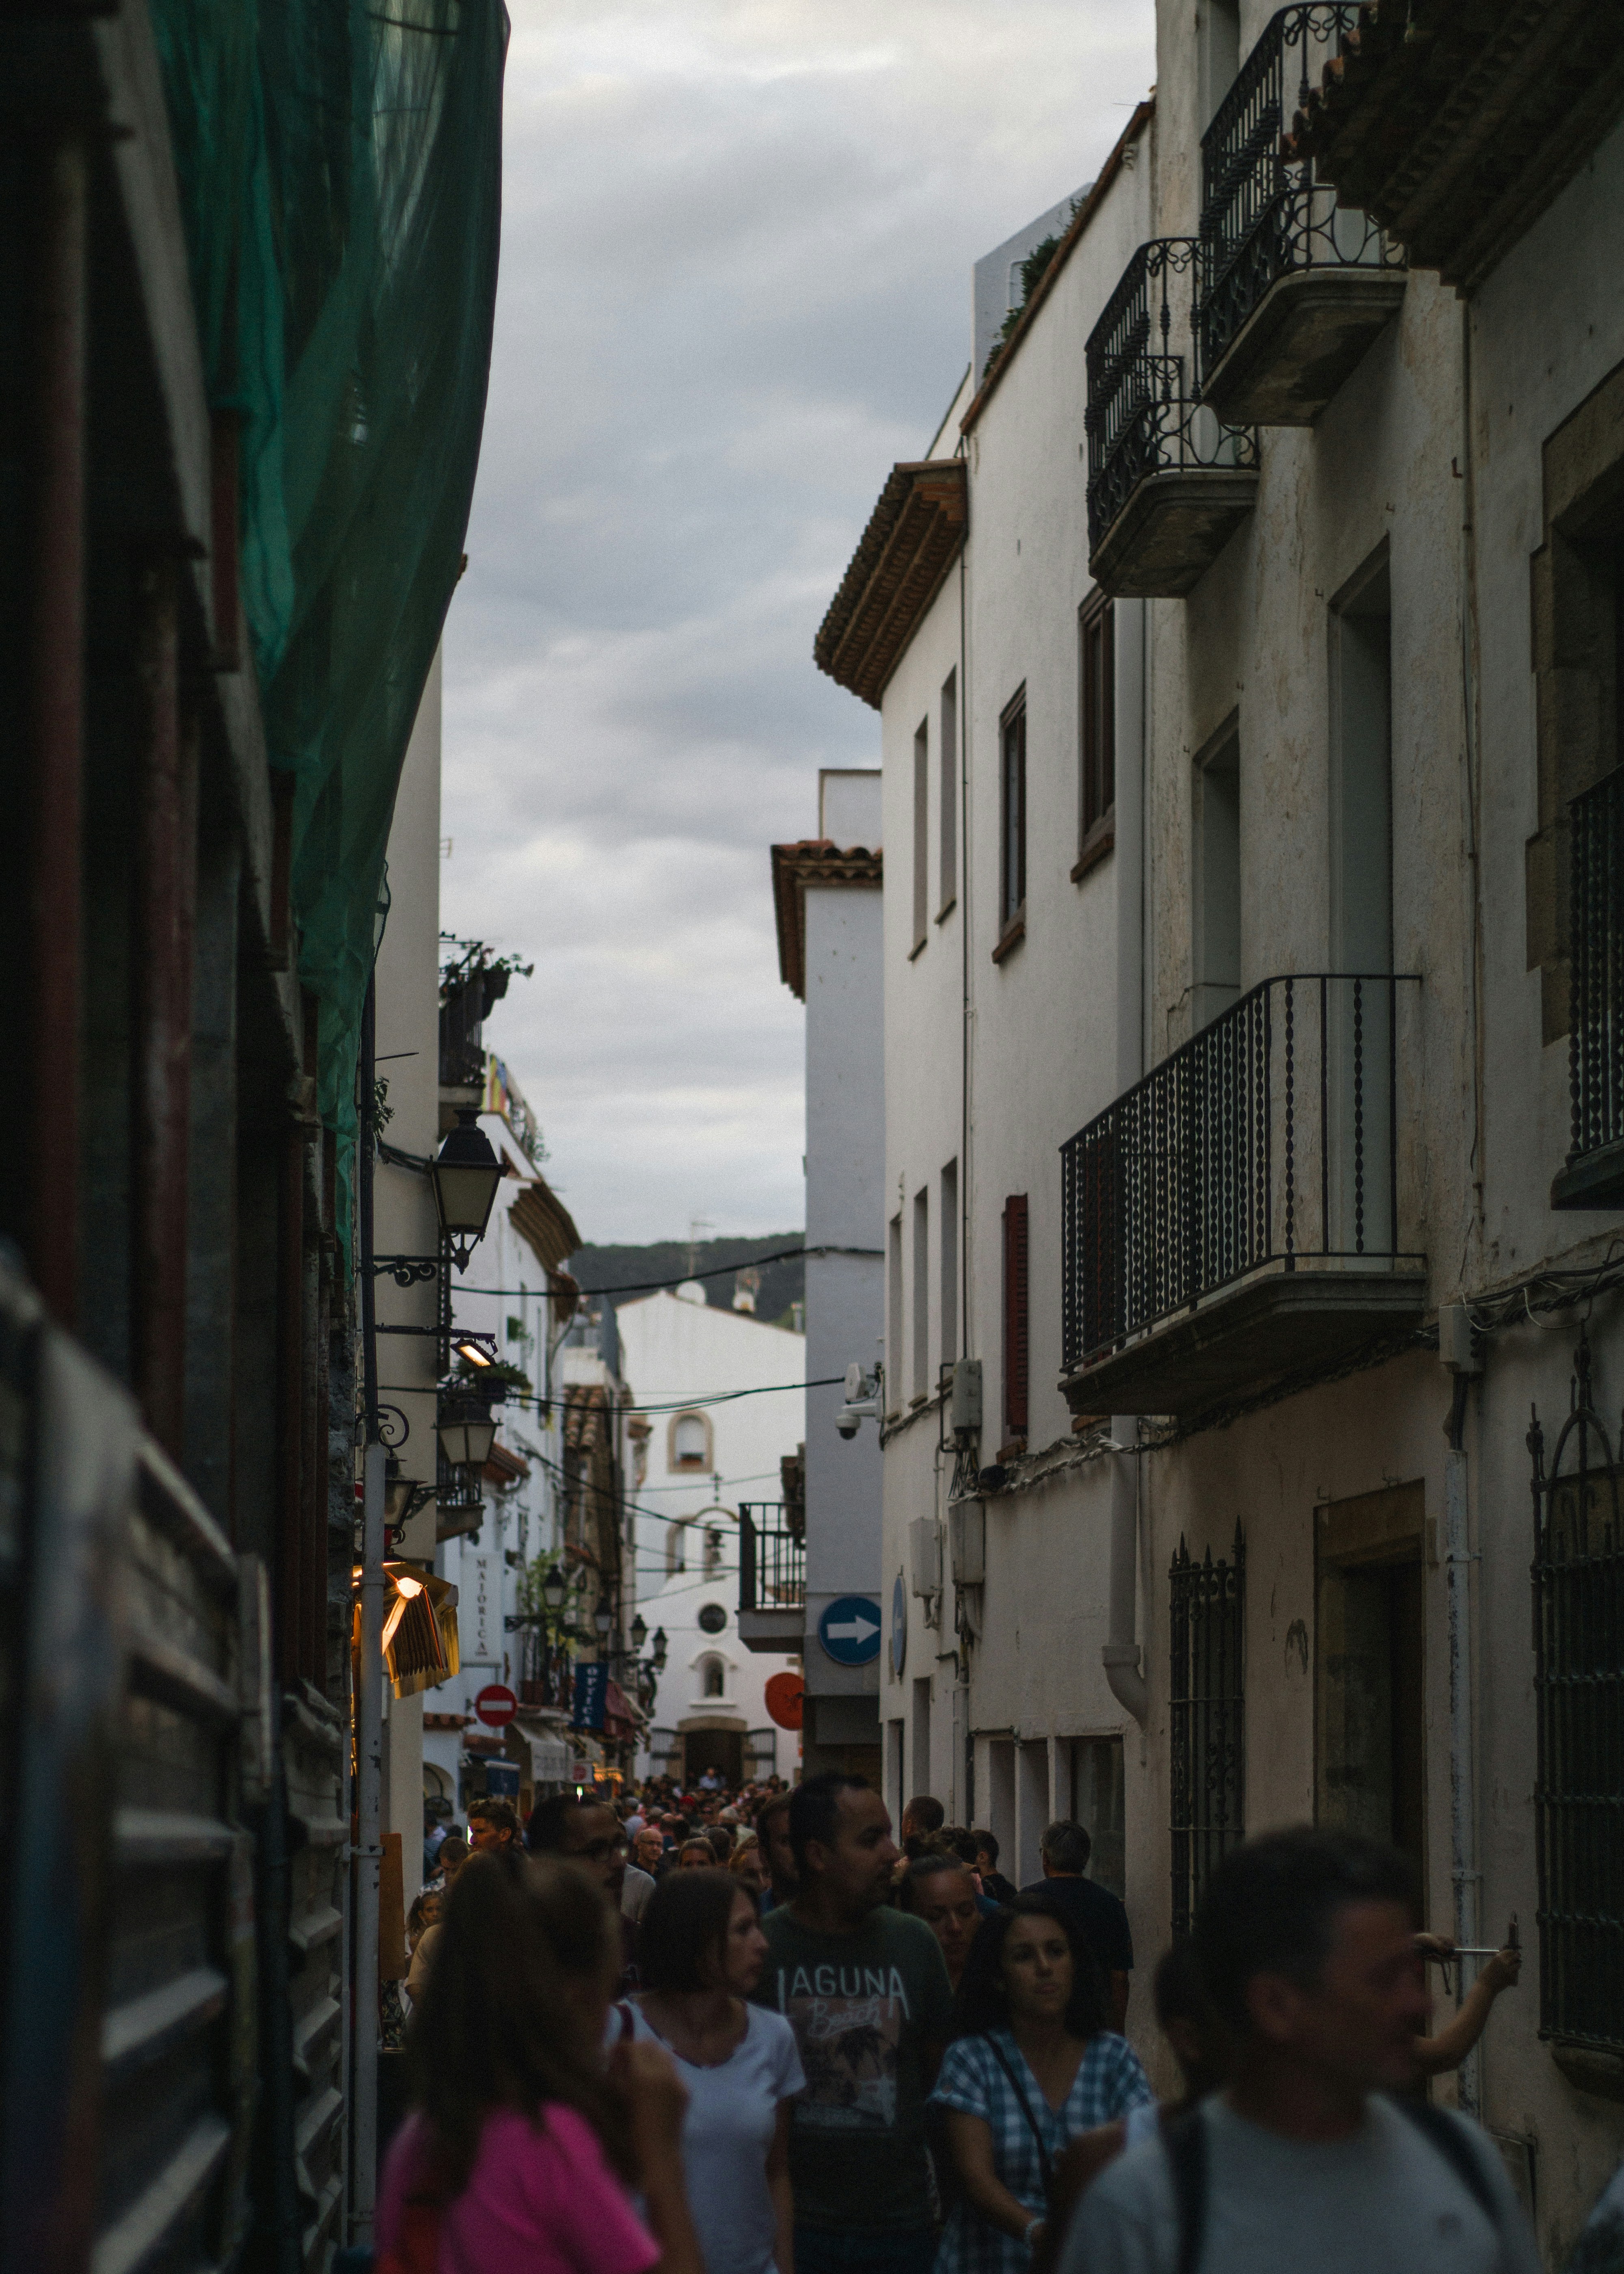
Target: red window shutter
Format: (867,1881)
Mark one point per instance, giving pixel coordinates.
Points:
(1015,1349)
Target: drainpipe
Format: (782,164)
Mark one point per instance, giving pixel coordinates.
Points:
(369,1691)
(1457,1567)
(1120,1655)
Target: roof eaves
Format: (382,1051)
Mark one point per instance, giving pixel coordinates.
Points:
(811,861)
(1063,251)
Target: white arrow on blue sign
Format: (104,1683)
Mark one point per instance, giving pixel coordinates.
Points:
(850,1629)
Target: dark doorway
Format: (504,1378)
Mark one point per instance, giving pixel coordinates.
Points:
(721,1749)
(1369,1698)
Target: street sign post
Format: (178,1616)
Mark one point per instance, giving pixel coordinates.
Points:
(850,1629)
(496,1706)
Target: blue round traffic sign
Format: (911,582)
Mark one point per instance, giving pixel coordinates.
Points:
(850,1629)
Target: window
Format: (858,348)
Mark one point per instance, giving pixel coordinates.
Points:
(922,834)
(1012,818)
(947,766)
(949,1298)
(1579,1691)
(676,1548)
(1208,1726)
(1096,732)
(893,1324)
(712,1677)
(1015,1348)
(1217,958)
(714,1550)
(922,1292)
(687,1443)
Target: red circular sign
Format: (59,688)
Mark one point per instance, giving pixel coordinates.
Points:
(785,1694)
(496,1706)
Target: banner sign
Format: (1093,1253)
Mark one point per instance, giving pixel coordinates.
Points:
(591,1696)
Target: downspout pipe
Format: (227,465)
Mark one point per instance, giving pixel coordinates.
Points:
(1462,1815)
(1120,1654)
(368,1696)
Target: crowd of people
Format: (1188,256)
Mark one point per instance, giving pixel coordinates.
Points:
(752,2033)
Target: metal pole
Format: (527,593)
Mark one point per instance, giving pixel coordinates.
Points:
(1462,1832)
(368,1696)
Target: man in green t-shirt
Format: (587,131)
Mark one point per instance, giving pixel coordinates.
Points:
(866,1992)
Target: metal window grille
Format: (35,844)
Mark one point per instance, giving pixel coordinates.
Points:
(1144,415)
(1596,1037)
(772,1558)
(1263,214)
(1269,1139)
(1578,1587)
(1209,1719)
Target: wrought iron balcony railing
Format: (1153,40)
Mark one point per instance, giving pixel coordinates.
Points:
(1145,416)
(1265,214)
(1269,1140)
(1595,1038)
(772,1560)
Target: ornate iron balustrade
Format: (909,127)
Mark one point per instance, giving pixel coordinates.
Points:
(1270,1139)
(1263,213)
(772,1560)
(1578,1587)
(1595,1038)
(1207,1703)
(1144,414)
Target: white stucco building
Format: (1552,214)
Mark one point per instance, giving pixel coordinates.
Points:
(826,896)
(700,1454)
(1249,684)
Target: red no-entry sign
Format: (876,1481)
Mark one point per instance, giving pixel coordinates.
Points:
(496,1706)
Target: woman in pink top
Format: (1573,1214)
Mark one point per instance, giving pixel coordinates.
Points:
(521,2151)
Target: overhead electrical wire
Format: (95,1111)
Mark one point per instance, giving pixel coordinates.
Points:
(654,1286)
(684,1406)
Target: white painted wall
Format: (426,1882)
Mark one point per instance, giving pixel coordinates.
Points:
(677,1348)
(845,1089)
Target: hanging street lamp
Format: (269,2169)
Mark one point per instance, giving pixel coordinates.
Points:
(554,1589)
(657,1655)
(466,1431)
(465,1173)
(640,1631)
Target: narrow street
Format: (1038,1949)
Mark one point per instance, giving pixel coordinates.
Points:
(812,1282)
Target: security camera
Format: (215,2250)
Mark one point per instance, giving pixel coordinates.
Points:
(862,1399)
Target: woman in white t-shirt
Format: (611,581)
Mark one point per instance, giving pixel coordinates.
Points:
(700,1953)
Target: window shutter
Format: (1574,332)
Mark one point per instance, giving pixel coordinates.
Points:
(1015,1350)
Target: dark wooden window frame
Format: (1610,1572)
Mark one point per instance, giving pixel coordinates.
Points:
(1096,733)
(1012,824)
(1017,1318)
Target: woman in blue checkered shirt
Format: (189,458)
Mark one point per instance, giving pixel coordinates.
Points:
(1032,2063)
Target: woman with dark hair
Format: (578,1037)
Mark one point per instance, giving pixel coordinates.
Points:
(520,2152)
(938,1888)
(701,1951)
(1032,2063)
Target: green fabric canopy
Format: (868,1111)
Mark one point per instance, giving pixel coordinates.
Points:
(340,179)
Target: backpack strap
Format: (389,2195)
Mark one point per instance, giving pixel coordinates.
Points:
(1185,2139)
(1442,2131)
(1045,2164)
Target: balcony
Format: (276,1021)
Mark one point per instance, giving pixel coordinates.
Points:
(1232,1219)
(1456,127)
(1294,289)
(1594,1175)
(772,1579)
(1169,483)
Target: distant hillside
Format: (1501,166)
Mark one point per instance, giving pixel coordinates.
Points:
(632,1269)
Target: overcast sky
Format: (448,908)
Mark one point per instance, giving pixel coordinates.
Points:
(735,287)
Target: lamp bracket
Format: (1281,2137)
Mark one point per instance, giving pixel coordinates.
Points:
(408,1270)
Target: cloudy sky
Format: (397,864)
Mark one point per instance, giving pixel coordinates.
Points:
(735,287)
